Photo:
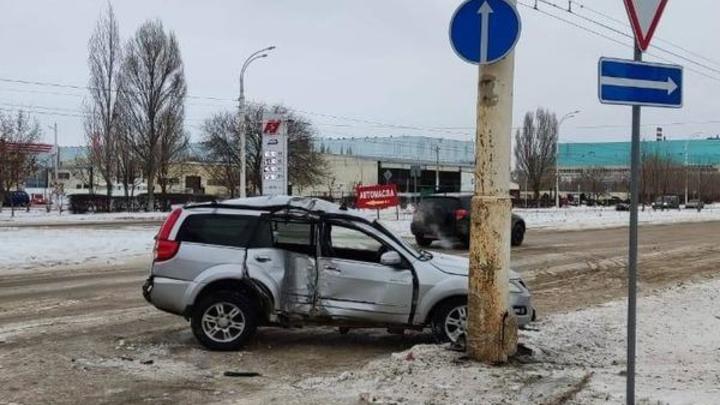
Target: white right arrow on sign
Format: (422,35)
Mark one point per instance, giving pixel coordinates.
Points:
(644,17)
(668,85)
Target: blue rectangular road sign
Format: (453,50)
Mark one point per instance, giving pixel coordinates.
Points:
(627,82)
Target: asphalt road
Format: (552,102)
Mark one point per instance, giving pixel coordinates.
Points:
(85,334)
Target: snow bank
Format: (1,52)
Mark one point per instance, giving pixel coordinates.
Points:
(574,218)
(40,216)
(37,248)
(584,351)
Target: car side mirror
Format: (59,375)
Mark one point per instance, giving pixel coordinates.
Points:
(391,258)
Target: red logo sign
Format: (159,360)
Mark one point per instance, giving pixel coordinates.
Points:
(377,196)
(271,127)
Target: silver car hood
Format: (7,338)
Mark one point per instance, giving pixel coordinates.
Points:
(458,265)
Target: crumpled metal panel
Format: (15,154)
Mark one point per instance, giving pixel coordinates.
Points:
(298,286)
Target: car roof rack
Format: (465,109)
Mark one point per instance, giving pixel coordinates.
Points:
(274,209)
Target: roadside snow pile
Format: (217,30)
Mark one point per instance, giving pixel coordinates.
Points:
(432,374)
(573,218)
(678,351)
(40,216)
(578,356)
(32,248)
(576,218)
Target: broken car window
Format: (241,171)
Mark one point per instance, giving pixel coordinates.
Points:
(294,236)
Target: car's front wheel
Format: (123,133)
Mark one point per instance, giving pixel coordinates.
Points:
(449,321)
(224,320)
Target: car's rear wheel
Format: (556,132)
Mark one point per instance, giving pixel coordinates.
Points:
(224,320)
(518,234)
(449,321)
(422,241)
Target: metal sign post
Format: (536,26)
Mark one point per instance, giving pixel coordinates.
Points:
(638,84)
(632,248)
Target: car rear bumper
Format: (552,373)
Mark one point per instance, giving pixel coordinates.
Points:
(435,233)
(166,294)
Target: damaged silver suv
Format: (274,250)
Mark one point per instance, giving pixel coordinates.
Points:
(289,261)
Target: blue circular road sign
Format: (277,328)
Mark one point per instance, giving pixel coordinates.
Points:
(484,31)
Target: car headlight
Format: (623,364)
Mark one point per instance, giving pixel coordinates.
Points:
(516,286)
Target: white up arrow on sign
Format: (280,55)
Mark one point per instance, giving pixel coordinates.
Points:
(485,10)
(668,85)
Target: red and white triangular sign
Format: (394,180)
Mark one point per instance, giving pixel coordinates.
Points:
(644,17)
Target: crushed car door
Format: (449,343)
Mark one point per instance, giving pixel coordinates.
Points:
(294,240)
(353,284)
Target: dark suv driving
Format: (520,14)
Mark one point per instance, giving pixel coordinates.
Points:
(447,216)
(16,199)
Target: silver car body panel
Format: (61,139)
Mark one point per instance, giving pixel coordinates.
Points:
(313,287)
(361,291)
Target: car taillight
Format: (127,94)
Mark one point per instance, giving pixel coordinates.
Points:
(165,249)
(460,214)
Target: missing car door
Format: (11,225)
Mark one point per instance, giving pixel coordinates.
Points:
(295,241)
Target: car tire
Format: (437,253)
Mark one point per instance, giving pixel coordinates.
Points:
(449,308)
(518,235)
(216,312)
(422,241)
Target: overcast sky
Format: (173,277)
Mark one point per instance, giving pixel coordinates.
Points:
(384,61)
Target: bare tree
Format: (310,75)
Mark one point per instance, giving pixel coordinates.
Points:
(593,180)
(153,89)
(17,162)
(535,148)
(657,171)
(174,143)
(222,142)
(306,166)
(101,122)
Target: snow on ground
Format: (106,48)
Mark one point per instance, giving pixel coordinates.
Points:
(398,220)
(607,217)
(38,215)
(42,248)
(573,218)
(583,351)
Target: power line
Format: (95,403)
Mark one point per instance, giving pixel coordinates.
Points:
(332,116)
(659,39)
(704,66)
(576,25)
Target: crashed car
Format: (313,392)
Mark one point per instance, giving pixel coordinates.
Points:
(290,261)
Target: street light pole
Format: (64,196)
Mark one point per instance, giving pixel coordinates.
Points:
(241,116)
(557,156)
(687,172)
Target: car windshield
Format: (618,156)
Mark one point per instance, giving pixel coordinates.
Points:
(418,254)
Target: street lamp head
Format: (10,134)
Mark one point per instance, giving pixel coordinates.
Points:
(270,48)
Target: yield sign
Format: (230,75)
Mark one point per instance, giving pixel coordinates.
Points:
(644,17)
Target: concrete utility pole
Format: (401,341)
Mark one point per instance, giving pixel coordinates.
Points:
(241,117)
(56,158)
(492,329)
(557,156)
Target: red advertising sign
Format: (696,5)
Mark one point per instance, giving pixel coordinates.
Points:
(377,196)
